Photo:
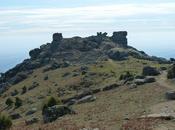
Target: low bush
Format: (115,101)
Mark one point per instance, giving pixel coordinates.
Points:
(5,122)
(50,101)
(126,76)
(171,72)
(18,102)
(9,102)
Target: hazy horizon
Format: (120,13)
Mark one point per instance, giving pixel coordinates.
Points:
(25,25)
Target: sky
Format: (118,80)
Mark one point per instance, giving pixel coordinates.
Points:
(27,24)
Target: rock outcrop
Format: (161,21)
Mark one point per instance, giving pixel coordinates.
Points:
(120,38)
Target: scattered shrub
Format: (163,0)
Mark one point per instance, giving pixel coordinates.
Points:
(24,90)
(18,102)
(5,122)
(171,72)
(9,102)
(50,101)
(126,76)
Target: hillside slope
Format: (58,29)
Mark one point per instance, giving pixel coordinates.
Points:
(100,78)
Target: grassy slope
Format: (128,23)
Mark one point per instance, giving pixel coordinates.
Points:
(110,107)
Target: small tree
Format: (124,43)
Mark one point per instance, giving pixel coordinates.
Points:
(9,102)
(18,102)
(5,122)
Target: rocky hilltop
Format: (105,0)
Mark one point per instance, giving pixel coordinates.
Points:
(62,52)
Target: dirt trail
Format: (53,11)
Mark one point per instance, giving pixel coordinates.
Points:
(162,80)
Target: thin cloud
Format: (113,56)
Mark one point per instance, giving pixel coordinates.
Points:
(49,19)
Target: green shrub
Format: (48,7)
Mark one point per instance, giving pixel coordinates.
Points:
(171,72)
(50,101)
(9,102)
(5,122)
(24,90)
(18,102)
(126,76)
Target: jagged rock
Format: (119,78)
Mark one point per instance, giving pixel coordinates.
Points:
(34,53)
(31,121)
(150,71)
(15,116)
(57,37)
(170,95)
(99,38)
(54,112)
(120,38)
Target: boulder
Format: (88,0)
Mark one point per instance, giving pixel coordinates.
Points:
(132,86)
(150,79)
(52,113)
(116,54)
(150,71)
(89,98)
(31,121)
(170,95)
(139,81)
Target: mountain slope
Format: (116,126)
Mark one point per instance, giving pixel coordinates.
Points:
(68,67)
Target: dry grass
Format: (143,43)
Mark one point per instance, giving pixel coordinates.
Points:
(140,124)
